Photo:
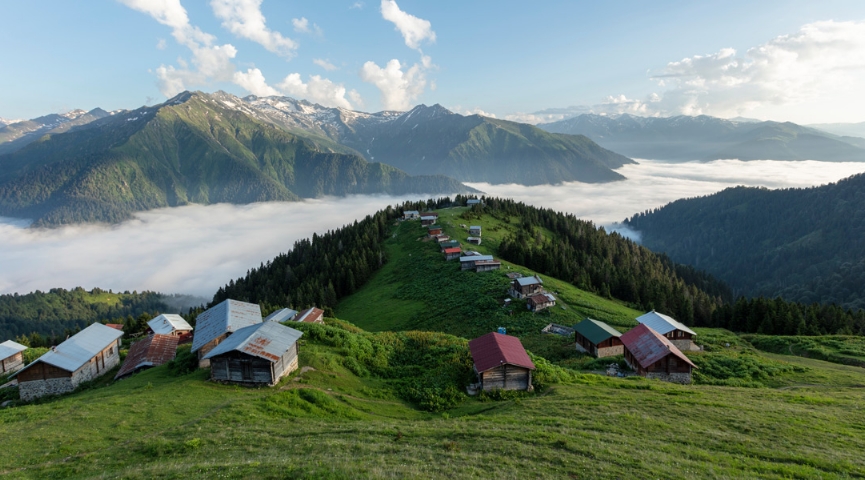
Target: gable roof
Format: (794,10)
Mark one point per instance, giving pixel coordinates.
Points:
(494,349)
(662,324)
(526,281)
(648,346)
(268,340)
(116,326)
(541,298)
(453,250)
(475,227)
(476,258)
(9,348)
(310,315)
(282,315)
(229,316)
(78,349)
(596,331)
(167,323)
(153,351)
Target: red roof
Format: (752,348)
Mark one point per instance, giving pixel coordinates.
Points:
(117,326)
(648,346)
(150,352)
(494,349)
(453,250)
(539,299)
(310,315)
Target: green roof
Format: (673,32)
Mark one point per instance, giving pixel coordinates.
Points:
(596,331)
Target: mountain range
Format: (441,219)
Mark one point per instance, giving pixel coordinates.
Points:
(16,134)
(686,138)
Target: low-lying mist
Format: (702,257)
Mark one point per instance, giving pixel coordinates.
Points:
(196,249)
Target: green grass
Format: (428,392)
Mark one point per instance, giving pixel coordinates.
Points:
(843,349)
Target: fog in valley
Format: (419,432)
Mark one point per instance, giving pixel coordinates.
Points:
(196,249)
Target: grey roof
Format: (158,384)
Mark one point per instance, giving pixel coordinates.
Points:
(526,281)
(78,349)
(167,323)
(9,348)
(476,258)
(280,316)
(268,340)
(429,217)
(472,201)
(475,227)
(227,317)
(662,323)
(411,212)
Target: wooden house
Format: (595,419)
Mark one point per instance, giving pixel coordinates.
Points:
(523,287)
(653,355)
(11,356)
(449,244)
(218,322)
(474,240)
(410,215)
(442,238)
(501,362)
(169,324)
(475,230)
(452,253)
(487,265)
(259,354)
(84,356)
(280,316)
(598,339)
(430,214)
(680,335)
(540,301)
(467,262)
(310,315)
(427,220)
(434,230)
(153,351)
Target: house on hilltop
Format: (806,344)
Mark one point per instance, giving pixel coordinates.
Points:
(680,335)
(11,356)
(410,215)
(501,362)
(597,338)
(153,351)
(540,301)
(84,356)
(310,315)
(220,321)
(169,324)
(257,354)
(653,355)
(523,287)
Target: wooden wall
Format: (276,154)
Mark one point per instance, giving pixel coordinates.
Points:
(506,377)
(42,371)
(239,367)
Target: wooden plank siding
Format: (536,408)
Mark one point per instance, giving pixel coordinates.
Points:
(239,367)
(42,371)
(506,377)
(12,363)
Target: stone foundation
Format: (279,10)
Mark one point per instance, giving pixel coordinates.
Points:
(685,345)
(40,388)
(683,378)
(611,351)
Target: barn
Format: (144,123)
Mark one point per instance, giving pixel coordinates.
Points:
(678,334)
(11,356)
(652,355)
(153,351)
(255,355)
(501,362)
(597,338)
(218,322)
(169,324)
(84,356)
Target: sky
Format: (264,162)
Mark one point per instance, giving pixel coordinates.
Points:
(794,60)
(162,250)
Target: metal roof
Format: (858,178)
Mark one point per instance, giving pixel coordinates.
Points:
(410,212)
(648,346)
(596,331)
(78,349)
(475,227)
(168,323)
(280,316)
(310,315)
(452,250)
(662,323)
(476,258)
(540,299)
(429,217)
(9,348)
(153,351)
(268,340)
(494,349)
(526,281)
(472,201)
(227,317)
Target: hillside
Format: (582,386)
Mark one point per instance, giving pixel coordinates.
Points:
(16,135)
(806,245)
(190,149)
(684,138)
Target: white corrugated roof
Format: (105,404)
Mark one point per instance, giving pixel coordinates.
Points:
(229,316)
(662,324)
(167,323)
(280,316)
(78,349)
(268,340)
(9,348)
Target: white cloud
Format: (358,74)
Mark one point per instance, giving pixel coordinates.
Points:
(161,44)
(356,6)
(253,81)
(414,30)
(317,89)
(323,63)
(355,98)
(300,25)
(471,111)
(398,88)
(244,19)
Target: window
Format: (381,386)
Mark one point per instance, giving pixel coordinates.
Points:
(111,350)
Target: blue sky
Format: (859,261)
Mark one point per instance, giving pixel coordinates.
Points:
(530,61)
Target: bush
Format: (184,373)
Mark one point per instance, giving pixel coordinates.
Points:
(184,362)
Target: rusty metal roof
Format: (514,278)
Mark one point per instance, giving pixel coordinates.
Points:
(310,315)
(227,317)
(268,340)
(116,326)
(9,348)
(494,349)
(168,323)
(648,346)
(78,349)
(663,324)
(541,298)
(452,250)
(153,351)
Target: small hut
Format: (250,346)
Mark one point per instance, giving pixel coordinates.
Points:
(598,339)
(11,356)
(434,230)
(675,331)
(218,322)
(501,362)
(449,244)
(474,240)
(652,355)
(255,355)
(153,351)
(467,262)
(540,301)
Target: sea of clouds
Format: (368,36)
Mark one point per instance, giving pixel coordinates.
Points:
(196,249)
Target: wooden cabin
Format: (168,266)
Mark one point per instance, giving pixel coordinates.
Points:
(487,265)
(427,220)
(501,362)
(475,230)
(523,287)
(449,244)
(410,215)
(434,230)
(259,354)
(11,356)
(597,338)
(452,253)
(153,351)
(169,324)
(653,355)
(219,322)
(442,238)
(84,356)
(540,301)
(467,262)
(675,331)
(310,315)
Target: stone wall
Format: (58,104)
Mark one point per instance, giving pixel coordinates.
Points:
(685,345)
(683,378)
(611,351)
(40,388)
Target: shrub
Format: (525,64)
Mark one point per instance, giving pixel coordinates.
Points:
(184,362)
